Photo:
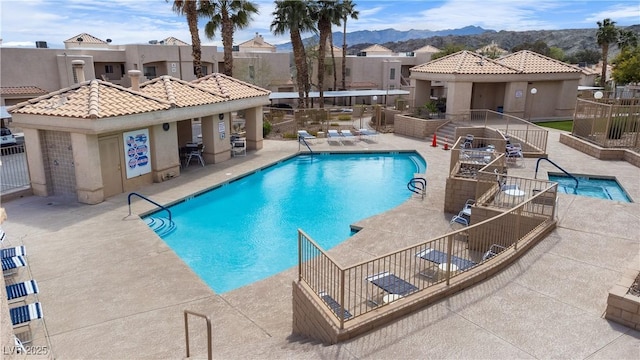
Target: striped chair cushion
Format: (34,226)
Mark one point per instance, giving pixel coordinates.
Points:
(13,262)
(14,251)
(25,313)
(22,289)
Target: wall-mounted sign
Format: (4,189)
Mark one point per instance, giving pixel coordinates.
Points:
(518,94)
(137,154)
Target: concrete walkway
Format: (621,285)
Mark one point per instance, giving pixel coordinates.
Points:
(111,289)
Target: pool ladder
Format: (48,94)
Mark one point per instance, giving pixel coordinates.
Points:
(535,176)
(418,185)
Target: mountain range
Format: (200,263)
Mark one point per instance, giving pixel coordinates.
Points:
(472,37)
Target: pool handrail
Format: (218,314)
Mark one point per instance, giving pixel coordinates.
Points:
(149,200)
(301,139)
(535,176)
(411,185)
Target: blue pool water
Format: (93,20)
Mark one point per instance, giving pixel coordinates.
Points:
(246,230)
(600,188)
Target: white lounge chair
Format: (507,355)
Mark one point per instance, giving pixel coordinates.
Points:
(23,315)
(304,135)
(333,136)
(347,135)
(21,290)
(13,251)
(368,134)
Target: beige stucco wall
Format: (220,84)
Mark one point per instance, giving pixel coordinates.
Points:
(164,164)
(88,174)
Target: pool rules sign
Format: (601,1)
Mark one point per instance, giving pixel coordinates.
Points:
(136,152)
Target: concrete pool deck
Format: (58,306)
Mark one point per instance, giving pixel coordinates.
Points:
(111,289)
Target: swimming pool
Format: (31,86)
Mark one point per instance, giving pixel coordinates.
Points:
(590,186)
(246,230)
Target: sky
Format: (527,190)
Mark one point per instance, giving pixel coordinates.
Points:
(23,22)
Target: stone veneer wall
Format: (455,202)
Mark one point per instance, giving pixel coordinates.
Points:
(622,307)
(600,152)
(415,127)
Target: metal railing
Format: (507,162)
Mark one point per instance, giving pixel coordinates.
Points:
(610,123)
(349,292)
(209,332)
(149,200)
(417,185)
(14,172)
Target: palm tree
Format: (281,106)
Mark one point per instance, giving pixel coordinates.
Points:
(190,9)
(294,16)
(627,39)
(227,16)
(607,34)
(326,13)
(348,10)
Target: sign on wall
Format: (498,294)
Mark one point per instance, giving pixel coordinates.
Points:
(137,154)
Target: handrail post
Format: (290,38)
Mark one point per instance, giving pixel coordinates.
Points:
(449,255)
(299,255)
(341,299)
(209,332)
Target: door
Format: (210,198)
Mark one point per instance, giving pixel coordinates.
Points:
(110,158)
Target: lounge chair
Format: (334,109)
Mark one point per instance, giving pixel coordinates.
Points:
(23,315)
(369,134)
(392,285)
(439,257)
(334,305)
(10,265)
(334,135)
(347,135)
(304,135)
(21,290)
(11,252)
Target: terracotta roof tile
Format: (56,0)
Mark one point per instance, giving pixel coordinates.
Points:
(529,62)
(22,90)
(86,39)
(173,41)
(228,87)
(377,47)
(93,99)
(464,62)
(178,92)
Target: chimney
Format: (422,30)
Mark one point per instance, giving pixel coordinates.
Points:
(78,70)
(135,79)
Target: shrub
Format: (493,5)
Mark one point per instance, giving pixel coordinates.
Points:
(344,117)
(266,128)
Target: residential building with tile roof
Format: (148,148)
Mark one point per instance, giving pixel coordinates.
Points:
(87,139)
(257,44)
(473,81)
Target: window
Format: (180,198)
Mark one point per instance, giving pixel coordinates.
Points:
(108,69)
(392,74)
(149,71)
(252,72)
(203,69)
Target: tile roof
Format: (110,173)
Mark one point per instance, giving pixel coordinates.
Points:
(257,41)
(179,92)
(529,62)
(22,90)
(377,47)
(464,62)
(86,39)
(427,48)
(228,87)
(173,41)
(92,99)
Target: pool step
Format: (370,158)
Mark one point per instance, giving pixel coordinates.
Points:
(162,226)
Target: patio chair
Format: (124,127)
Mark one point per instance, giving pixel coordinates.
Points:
(21,290)
(514,154)
(194,152)
(239,147)
(494,250)
(334,135)
(11,265)
(347,135)
(13,251)
(392,285)
(304,135)
(334,305)
(22,316)
(468,142)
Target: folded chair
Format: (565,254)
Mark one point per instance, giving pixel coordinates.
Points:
(22,316)
(21,290)
(11,252)
(239,147)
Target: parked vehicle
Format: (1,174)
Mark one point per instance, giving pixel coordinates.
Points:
(7,137)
